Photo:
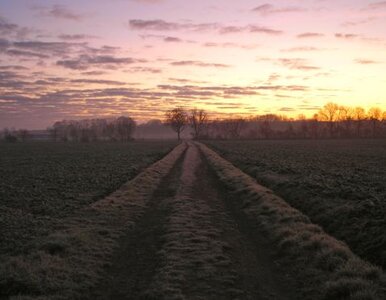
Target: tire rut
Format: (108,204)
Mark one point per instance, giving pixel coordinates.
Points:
(134,262)
(208,253)
(259,275)
(193,242)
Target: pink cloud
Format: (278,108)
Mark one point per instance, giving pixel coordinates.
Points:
(269,9)
(309,35)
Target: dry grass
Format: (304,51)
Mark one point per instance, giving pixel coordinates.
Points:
(327,267)
(42,182)
(193,255)
(339,184)
(69,262)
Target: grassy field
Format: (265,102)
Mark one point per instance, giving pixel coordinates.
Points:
(339,184)
(43,182)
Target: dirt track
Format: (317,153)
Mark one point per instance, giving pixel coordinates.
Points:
(190,226)
(193,242)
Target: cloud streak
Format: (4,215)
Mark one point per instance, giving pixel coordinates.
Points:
(346,36)
(366,61)
(302,49)
(376,5)
(307,35)
(59,12)
(84,62)
(76,37)
(10,29)
(195,63)
(144,56)
(297,64)
(161,25)
(15,52)
(269,9)
(229,45)
(148,1)
(300,64)
(165,38)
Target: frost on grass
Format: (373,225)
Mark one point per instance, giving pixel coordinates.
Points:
(195,263)
(69,262)
(327,265)
(339,184)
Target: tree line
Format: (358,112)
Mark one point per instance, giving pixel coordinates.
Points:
(119,129)
(331,121)
(12,136)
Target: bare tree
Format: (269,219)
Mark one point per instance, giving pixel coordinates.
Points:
(314,126)
(86,130)
(23,134)
(329,114)
(53,132)
(345,118)
(289,131)
(9,135)
(73,130)
(359,115)
(198,120)
(234,127)
(177,120)
(375,116)
(265,129)
(125,127)
(384,124)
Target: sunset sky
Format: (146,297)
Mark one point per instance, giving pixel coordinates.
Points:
(86,59)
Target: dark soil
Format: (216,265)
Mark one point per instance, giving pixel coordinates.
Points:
(258,274)
(240,268)
(135,261)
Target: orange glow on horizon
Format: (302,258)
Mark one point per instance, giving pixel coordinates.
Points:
(141,58)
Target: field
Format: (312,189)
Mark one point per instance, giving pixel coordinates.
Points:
(189,226)
(339,184)
(43,182)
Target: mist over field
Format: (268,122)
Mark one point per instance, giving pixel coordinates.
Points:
(166,149)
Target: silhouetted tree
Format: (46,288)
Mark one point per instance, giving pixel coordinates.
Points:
(124,127)
(290,132)
(345,119)
(86,130)
(333,120)
(265,129)
(329,114)
(304,127)
(197,120)
(375,117)
(234,127)
(9,135)
(359,115)
(23,134)
(73,130)
(177,120)
(53,132)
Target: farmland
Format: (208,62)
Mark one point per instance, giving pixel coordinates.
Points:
(189,226)
(43,182)
(339,184)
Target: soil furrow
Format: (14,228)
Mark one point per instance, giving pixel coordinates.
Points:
(321,266)
(70,262)
(195,264)
(258,273)
(207,253)
(177,232)
(134,262)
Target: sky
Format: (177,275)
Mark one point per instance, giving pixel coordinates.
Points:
(88,59)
